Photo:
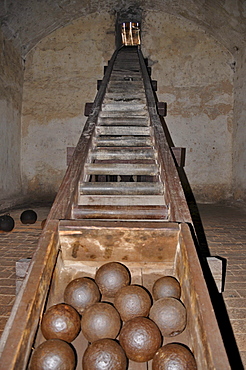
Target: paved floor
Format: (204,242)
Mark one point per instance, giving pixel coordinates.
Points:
(225,236)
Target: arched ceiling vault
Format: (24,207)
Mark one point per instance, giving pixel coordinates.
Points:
(26,22)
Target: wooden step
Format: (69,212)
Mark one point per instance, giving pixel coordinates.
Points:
(125,97)
(124,188)
(121,200)
(123,121)
(126,83)
(119,141)
(123,153)
(120,106)
(121,212)
(121,169)
(141,114)
(123,130)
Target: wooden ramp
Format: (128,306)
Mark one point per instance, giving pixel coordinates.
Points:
(121,199)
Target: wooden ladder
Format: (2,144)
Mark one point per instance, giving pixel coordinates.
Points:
(121,177)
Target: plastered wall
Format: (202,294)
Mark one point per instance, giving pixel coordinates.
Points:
(61,76)
(239,133)
(11,82)
(195,78)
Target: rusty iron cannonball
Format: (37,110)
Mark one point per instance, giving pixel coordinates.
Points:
(28,217)
(7,223)
(140,338)
(112,276)
(174,356)
(170,316)
(166,286)
(81,293)
(61,321)
(53,354)
(101,320)
(131,301)
(104,354)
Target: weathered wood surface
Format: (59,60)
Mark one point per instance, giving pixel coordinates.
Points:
(121,200)
(123,188)
(125,212)
(134,153)
(18,336)
(151,250)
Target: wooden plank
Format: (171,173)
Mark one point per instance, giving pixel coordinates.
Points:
(121,212)
(124,141)
(216,267)
(70,151)
(209,349)
(123,130)
(136,242)
(134,105)
(126,153)
(123,121)
(179,155)
(130,113)
(121,169)
(124,188)
(18,336)
(121,200)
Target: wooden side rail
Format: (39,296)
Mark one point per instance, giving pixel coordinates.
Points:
(67,192)
(179,210)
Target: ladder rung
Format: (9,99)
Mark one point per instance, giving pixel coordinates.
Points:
(121,200)
(115,212)
(124,153)
(123,141)
(121,169)
(132,113)
(123,121)
(125,188)
(123,130)
(125,96)
(125,107)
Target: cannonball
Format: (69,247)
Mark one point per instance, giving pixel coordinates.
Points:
(81,293)
(170,316)
(104,354)
(7,223)
(174,356)
(101,320)
(166,286)
(140,338)
(131,301)
(28,217)
(54,354)
(61,321)
(112,276)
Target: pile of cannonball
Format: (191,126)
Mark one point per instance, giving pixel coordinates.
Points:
(131,328)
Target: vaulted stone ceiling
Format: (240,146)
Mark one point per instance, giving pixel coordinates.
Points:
(26,22)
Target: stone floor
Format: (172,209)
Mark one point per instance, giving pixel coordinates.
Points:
(225,236)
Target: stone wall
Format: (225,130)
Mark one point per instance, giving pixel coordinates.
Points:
(195,77)
(61,76)
(11,83)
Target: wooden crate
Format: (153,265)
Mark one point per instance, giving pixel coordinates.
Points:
(149,250)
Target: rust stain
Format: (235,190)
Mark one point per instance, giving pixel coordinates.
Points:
(108,252)
(75,248)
